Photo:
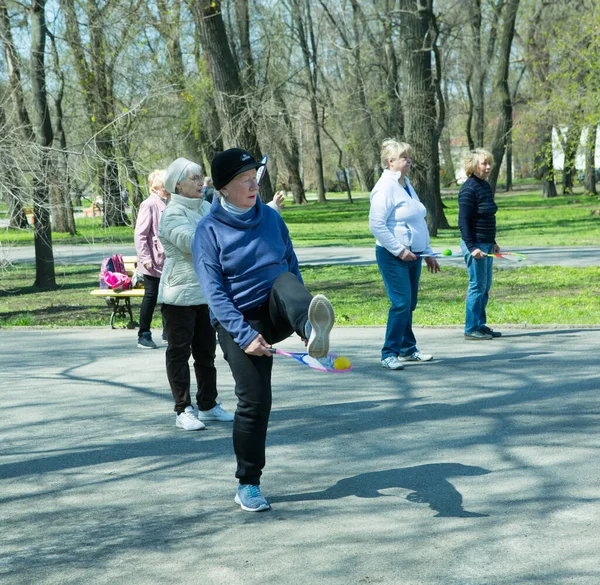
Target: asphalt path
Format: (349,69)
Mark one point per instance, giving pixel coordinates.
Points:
(540,256)
(479,468)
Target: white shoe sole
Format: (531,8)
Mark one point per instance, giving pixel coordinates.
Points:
(322,318)
(259,509)
(146,346)
(181,426)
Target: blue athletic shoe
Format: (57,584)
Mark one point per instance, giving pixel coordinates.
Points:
(248,496)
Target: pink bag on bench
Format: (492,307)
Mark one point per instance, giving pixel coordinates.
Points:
(117,281)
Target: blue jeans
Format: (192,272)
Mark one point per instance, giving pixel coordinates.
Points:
(480,282)
(401,280)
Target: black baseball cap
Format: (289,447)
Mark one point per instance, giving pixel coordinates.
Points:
(229,164)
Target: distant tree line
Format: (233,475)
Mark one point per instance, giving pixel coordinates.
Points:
(96,93)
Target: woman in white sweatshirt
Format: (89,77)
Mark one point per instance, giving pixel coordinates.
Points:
(397,220)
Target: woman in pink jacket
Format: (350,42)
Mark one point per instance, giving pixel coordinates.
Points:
(150,253)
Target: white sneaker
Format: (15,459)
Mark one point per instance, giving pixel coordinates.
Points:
(417,356)
(187,420)
(217,412)
(391,362)
(321,318)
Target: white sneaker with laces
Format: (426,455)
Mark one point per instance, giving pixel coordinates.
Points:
(217,412)
(188,421)
(417,356)
(391,362)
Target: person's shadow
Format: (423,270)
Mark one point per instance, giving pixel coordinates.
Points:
(428,485)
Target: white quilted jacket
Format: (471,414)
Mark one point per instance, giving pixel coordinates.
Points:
(179,284)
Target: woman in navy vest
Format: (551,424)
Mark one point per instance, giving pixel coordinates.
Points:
(477,223)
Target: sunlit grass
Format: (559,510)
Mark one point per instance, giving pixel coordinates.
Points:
(529,296)
(537,295)
(523,220)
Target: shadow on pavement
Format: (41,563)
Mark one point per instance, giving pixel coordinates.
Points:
(428,485)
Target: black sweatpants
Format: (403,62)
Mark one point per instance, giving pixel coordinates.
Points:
(189,332)
(285,311)
(151,284)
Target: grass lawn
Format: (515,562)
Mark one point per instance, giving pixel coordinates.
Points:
(525,296)
(523,220)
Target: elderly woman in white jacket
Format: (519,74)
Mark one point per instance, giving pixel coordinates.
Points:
(185,312)
(397,220)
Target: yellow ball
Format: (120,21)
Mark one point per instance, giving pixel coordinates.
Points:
(341,363)
(447,252)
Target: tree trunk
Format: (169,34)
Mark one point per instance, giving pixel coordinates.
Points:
(421,117)
(479,67)
(133,178)
(301,15)
(395,124)
(62,207)
(44,257)
(509,186)
(543,163)
(238,125)
(504,127)
(538,55)
(570,143)
(590,161)
(469,122)
(290,149)
(448,170)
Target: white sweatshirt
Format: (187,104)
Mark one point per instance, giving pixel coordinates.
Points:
(397,219)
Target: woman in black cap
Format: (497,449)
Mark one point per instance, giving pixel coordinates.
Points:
(249,274)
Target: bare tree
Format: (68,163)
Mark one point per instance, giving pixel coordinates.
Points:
(94,62)
(538,61)
(62,208)
(366,143)
(590,160)
(569,140)
(422,125)
(37,134)
(303,25)
(478,59)
(17,217)
(10,186)
(504,127)
(237,121)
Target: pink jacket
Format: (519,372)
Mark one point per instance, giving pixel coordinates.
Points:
(147,244)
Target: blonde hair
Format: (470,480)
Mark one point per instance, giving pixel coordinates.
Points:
(391,148)
(475,158)
(156,180)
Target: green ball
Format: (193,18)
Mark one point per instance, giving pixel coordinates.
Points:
(447,252)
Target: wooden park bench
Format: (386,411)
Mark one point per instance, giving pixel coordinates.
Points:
(120,302)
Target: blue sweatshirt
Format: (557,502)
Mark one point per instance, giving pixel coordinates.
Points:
(237,259)
(477,213)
